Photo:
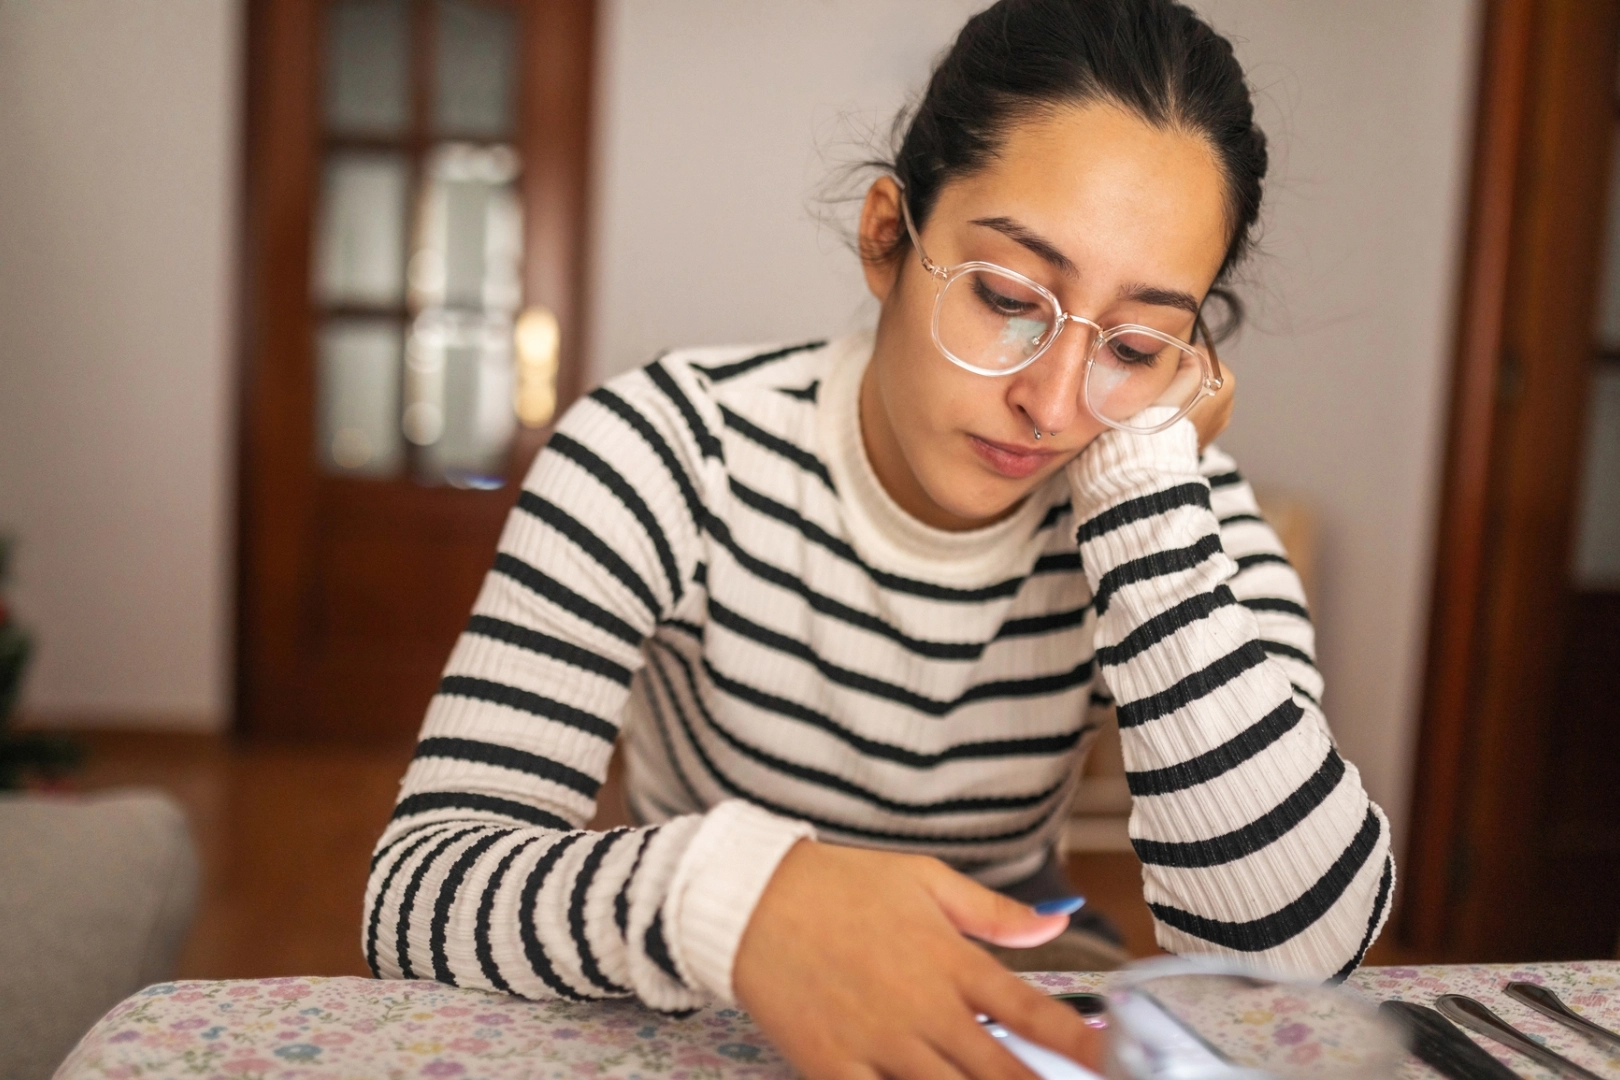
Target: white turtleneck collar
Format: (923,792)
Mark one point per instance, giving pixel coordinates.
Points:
(887,536)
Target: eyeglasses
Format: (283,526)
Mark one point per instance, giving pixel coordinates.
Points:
(994,321)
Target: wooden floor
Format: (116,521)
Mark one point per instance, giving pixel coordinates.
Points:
(286,832)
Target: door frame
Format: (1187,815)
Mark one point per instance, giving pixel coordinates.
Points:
(281,155)
(1519,390)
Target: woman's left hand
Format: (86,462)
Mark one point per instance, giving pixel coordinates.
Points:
(1213,414)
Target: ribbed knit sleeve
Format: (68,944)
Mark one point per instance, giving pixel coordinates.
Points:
(1256,837)
(485,877)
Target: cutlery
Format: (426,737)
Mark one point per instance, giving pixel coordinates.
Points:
(1472,1014)
(1547,1003)
(1441,1045)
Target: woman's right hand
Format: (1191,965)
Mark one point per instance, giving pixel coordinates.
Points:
(855,965)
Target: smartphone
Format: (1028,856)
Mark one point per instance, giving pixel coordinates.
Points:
(1154,1041)
(1164,1043)
(1044,1063)
(1048,1064)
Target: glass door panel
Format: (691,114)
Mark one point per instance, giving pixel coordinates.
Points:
(474,70)
(469,240)
(368,67)
(419,240)
(466,285)
(360,233)
(459,389)
(357,433)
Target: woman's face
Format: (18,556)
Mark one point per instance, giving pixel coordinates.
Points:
(1123,222)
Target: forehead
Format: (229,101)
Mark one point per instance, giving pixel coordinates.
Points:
(1112,192)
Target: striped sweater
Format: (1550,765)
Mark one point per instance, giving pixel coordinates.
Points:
(702,562)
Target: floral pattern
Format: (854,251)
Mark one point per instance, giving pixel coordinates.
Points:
(342,1028)
(1591,988)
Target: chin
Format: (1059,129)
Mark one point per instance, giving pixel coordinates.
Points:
(985,505)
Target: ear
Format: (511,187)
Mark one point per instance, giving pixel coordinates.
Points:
(881,227)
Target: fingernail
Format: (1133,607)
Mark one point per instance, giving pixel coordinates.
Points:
(1066,905)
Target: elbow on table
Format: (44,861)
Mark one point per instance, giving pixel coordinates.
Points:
(1324,932)
(1339,916)
(1349,927)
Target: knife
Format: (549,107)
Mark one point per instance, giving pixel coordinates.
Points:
(1547,1003)
(1440,1044)
(1473,1014)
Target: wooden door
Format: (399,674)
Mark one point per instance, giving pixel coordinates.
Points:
(1514,851)
(413,240)
(1582,833)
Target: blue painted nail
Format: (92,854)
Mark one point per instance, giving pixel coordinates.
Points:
(1066,905)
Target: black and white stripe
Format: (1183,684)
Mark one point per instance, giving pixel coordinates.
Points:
(691,565)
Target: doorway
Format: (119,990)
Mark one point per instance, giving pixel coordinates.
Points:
(1514,852)
(413,245)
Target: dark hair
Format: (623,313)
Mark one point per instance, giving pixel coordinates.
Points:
(1154,58)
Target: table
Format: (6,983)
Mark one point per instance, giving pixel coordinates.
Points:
(333,1029)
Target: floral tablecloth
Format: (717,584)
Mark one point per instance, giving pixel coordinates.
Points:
(335,1029)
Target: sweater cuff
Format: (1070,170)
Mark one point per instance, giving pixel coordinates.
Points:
(720,879)
(1120,464)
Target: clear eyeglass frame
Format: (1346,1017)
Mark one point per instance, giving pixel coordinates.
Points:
(1213,378)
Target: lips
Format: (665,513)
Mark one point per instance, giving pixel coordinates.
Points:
(1013,462)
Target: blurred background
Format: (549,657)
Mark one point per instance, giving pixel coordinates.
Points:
(290,291)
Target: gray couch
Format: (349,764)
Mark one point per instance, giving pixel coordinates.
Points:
(97,894)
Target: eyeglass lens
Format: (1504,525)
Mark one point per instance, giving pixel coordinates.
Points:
(993,323)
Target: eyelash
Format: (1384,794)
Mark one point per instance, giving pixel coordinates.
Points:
(1001,305)
(1008,307)
(1128,355)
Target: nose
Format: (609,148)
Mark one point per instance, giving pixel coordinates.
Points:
(1048,391)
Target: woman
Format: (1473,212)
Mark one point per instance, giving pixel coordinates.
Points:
(849,602)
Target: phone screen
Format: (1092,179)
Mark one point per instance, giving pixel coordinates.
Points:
(1159,1036)
(1044,1063)
(1164,1043)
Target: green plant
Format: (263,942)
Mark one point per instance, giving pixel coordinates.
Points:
(24,756)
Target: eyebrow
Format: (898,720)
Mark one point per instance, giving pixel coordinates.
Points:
(1034,241)
(1149,294)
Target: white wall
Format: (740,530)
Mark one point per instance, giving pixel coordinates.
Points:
(720,121)
(716,117)
(117,147)
(1345,369)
